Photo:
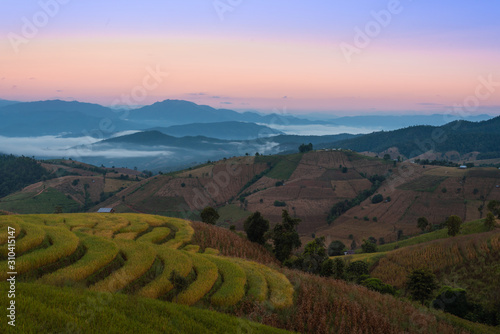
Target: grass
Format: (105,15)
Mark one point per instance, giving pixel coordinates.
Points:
(48,309)
(234,279)
(139,258)
(99,253)
(426,183)
(472,227)
(285,167)
(206,275)
(45,202)
(231,212)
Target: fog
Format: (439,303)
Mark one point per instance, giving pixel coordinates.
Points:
(57,147)
(321,130)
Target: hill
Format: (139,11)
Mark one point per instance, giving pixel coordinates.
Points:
(173,153)
(135,256)
(56,117)
(70,185)
(171,112)
(220,130)
(18,172)
(461,137)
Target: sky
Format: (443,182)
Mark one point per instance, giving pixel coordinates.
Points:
(338,57)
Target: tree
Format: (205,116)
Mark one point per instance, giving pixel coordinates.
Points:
(453,223)
(255,227)
(305,148)
(422,223)
(421,284)
(285,236)
(377,198)
(209,215)
(356,269)
(489,222)
(336,247)
(368,247)
(387,156)
(353,244)
(333,268)
(314,255)
(494,207)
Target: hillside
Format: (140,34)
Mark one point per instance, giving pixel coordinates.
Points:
(458,136)
(220,130)
(70,185)
(309,185)
(135,254)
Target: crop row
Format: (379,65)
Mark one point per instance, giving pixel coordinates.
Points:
(99,253)
(436,255)
(172,260)
(33,236)
(155,236)
(234,279)
(139,258)
(64,243)
(206,275)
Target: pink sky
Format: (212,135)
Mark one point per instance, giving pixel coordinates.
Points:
(249,71)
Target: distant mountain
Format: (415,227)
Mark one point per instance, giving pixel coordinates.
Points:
(176,112)
(56,116)
(4,103)
(220,130)
(460,136)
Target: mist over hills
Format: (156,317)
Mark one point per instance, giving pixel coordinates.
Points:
(220,130)
(174,133)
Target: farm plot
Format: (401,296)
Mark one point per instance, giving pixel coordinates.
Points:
(104,253)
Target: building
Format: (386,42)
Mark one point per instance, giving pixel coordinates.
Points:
(106,210)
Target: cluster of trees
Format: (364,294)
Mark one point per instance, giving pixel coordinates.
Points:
(18,172)
(421,286)
(463,137)
(305,148)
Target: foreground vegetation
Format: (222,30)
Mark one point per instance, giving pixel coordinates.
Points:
(195,264)
(48,309)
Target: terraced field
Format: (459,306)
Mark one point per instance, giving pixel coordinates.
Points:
(135,254)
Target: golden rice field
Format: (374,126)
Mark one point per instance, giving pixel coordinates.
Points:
(135,254)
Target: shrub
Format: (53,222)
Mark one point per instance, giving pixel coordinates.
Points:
(377,198)
(279,203)
(179,282)
(209,215)
(336,247)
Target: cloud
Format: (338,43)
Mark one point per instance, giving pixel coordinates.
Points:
(59,90)
(285,97)
(320,130)
(197,94)
(57,147)
(429,104)
(215,97)
(226,102)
